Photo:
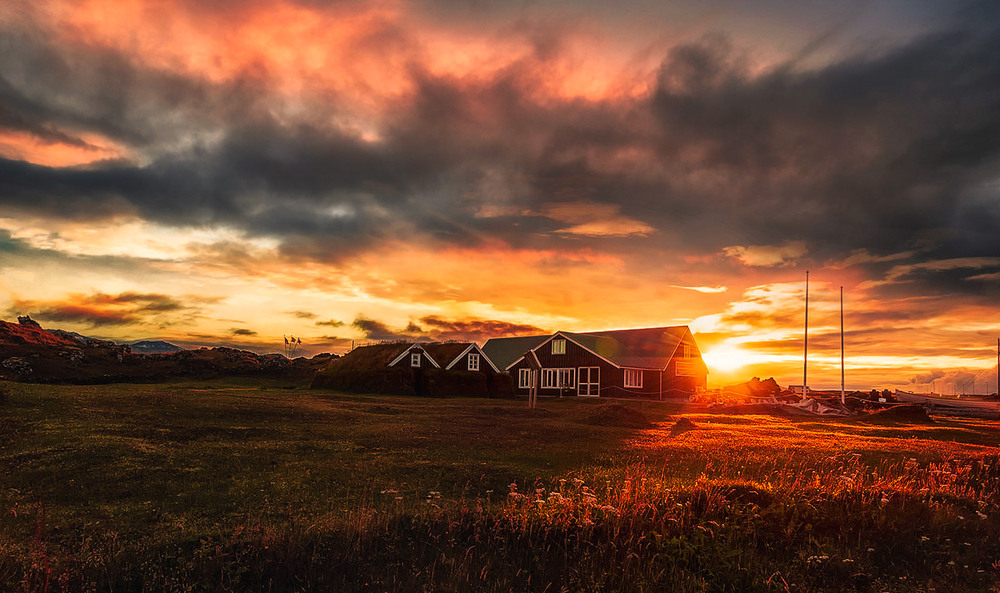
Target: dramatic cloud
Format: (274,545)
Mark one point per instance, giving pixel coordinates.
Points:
(242,331)
(101,309)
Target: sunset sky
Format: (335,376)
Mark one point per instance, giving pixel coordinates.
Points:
(218,172)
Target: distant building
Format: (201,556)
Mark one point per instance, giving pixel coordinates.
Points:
(656,362)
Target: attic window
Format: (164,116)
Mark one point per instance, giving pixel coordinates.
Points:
(686,352)
(558,346)
(415,359)
(473,362)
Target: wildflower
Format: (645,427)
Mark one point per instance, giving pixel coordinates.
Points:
(924,538)
(981,514)
(848,560)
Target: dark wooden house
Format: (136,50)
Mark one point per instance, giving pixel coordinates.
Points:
(416,368)
(656,362)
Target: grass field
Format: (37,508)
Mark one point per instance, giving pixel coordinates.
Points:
(232,487)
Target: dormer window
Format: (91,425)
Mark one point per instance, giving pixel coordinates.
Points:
(558,346)
(415,360)
(473,362)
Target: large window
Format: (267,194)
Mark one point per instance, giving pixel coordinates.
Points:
(473,362)
(685,368)
(415,359)
(633,378)
(524,378)
(558,378)
(558,346)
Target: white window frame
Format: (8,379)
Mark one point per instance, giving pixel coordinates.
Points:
(633,378)
(559,378)
(559,346)
(473,361)
(685,368)
(415,360)
(524,378)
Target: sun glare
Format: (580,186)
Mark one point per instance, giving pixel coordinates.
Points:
(726,357)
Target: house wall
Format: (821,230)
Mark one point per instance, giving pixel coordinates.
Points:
(612,379)
(686,384)
(574,358)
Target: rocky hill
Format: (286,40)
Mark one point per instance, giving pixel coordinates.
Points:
(32,354)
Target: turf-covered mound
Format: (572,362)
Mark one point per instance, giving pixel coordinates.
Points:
(681,426)
(904,414)
(616,414)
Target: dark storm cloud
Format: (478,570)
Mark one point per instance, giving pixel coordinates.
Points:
(438,329)
(475,329)
(376,330)
(242,331)
(886,152)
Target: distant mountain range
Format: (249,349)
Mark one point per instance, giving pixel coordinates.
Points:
(154,347)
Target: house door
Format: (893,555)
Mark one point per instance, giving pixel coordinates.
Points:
(589,381)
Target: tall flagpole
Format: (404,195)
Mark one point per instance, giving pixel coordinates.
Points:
(805,345)
(843,397)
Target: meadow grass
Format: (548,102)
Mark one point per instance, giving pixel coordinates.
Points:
(232,487)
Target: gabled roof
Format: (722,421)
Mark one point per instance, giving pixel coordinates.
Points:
(644,348)
(423,347)
(445,352)
(506,351)
(462,354)
(649,348)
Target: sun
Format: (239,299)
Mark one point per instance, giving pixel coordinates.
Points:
(728,358)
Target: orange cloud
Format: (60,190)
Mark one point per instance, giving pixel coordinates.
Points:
(23,146)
